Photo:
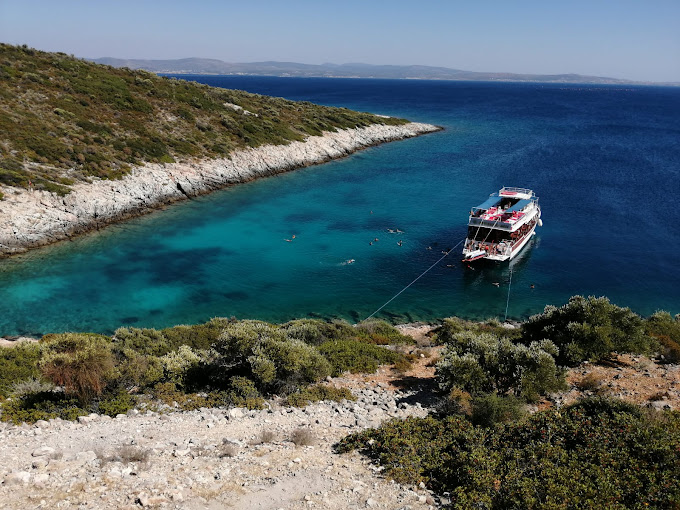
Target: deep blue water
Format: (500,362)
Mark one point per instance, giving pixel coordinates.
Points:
(604,160)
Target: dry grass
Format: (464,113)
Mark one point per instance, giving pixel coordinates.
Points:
(590,382)
(267,436)
(302,437)
(228,449)
(659,395)
(125,454)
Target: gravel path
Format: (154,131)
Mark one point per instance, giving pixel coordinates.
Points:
(212,458)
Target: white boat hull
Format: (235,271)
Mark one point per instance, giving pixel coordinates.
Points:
(515,250)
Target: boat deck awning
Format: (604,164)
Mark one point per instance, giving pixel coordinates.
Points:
(490,202)
(518,206)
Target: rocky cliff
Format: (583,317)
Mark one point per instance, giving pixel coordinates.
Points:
(34,218)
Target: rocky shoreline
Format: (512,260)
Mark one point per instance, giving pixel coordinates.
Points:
(29,219)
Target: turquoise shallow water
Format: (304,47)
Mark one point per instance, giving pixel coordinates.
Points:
(603,160)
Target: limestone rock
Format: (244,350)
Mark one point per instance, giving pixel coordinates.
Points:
(30,219)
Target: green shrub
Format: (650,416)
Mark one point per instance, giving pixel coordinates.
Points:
(135,369)
(480,363)
(161,342)
(80,362)
(491,409)
(597,453)
(318,393)
(444,454)
(315,332)
(18,363)
(243,393)
(118,403)
(666,330)
(381,333)
(31,385)
(262,353)
(147,341)
(356,356)
(32,407)
(451,326)
(588,329)
(176,364)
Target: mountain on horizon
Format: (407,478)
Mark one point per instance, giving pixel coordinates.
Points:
(350,70)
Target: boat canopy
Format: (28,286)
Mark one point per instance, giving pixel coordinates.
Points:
(492,201)
(518,206)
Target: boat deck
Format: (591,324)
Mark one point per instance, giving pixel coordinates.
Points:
(502,216)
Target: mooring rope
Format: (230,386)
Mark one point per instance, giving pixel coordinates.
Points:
(414,281)
(507,303)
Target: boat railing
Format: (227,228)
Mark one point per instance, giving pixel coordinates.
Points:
(502,248)
(509,189)
(496,224)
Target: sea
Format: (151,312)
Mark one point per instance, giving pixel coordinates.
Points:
(604,161)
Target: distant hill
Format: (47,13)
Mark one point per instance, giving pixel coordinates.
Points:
(354,70)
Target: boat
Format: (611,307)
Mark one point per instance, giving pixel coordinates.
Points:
(499,228)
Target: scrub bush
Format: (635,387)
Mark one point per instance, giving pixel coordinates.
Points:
(32,407)
(318,393)
(666,330)
(381,333)
(243,393)
(80,362)
(315,332)
(18,363)
(491,409)
(31,385)
(118,403)
(356,356)
(176,364)
(589,329)
(262,353)
(597,453)
(160,342)
(451,326)
(481,363)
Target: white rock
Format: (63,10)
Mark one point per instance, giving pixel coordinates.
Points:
(17,478)
(40,479)
(86,456)
(43,451)
(235,413)
(39,463)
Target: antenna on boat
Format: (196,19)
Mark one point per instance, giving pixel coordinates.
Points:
(507,303)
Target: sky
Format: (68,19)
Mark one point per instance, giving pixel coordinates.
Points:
(630,39)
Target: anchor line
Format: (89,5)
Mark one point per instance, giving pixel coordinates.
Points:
(414,281)
(507,303)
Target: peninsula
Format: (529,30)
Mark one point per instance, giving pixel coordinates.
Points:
(85,145)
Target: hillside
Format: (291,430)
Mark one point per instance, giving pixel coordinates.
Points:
(65,120)
(350,70)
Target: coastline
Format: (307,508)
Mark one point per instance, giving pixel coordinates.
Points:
(38,218)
